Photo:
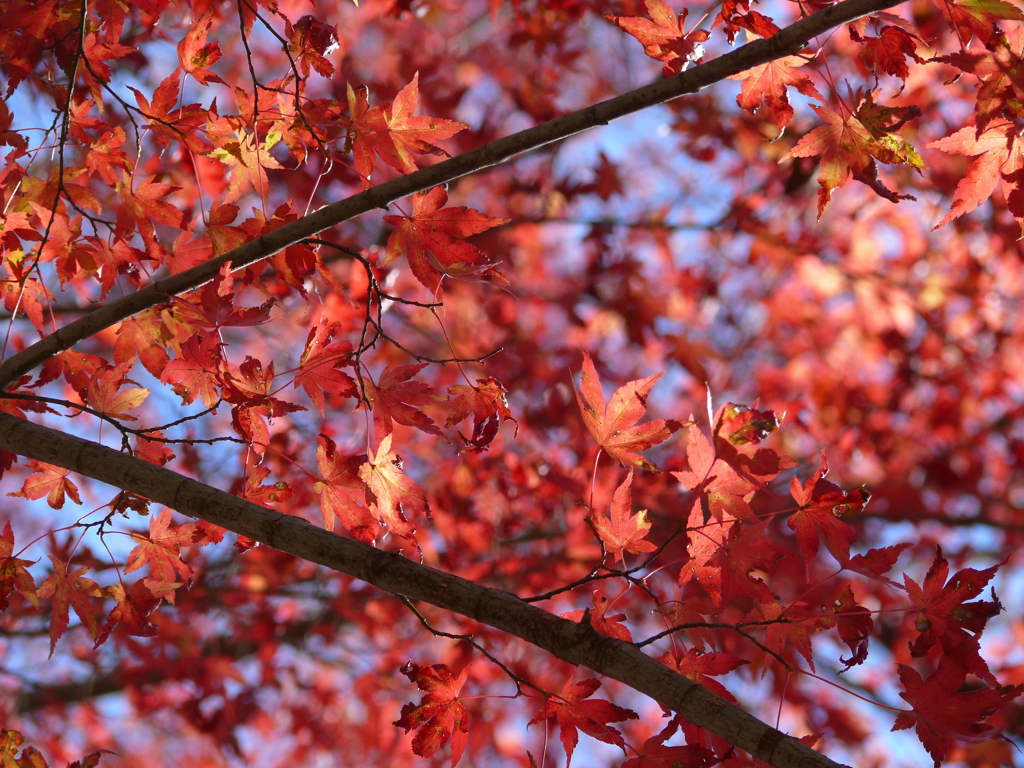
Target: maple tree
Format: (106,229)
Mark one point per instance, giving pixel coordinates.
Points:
(363,400)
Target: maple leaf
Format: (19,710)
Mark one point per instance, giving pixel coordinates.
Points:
(142,207)
(702,667)
(1001,72)
(822,507)
(313,40)
(160,550)
(394,397)
(144,337)
(432,239)
(264,495)
(320,364)
(104,396)
(197,371)
(440,715)
(792,626)
(849,147)
(600,620)
(664,36)
(888,51)
(488,406)
(854,624)
(614,426)
(723,555)
(1001,158)
(393,492)
(571,712)
(49,481)
(724,494)
(654,753)
(131,613)
(623,531)
(343,492)
(942,711)
(195,55)
(70,589)
(768,84)
(249,388)
(393,132)
(14,573)
(875,563)
(247,155)
(944,610)
(978,17)
(105,156)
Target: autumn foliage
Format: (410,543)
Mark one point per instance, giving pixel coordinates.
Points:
(692,441)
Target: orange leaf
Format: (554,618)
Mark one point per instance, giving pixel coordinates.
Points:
(432,239)
(343,492)
(70,589)
(49,481)
(622,531)
(615,426)
(393,492)
(440,716)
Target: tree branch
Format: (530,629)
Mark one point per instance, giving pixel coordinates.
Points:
(787,42)
(390,572)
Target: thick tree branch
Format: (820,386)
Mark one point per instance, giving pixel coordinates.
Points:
(788,41)
(390,572)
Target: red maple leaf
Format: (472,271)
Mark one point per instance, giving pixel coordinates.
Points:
(488,406)
(702,667)
(49,481)
(654,753)
(70,589)
(849,143)
(106,396)
(1001,157)
(875,563)
(320,366)
(160,550)
(614,426)
(198,370)
(1000,70)
(664,36)
(600,620)
(144,337)
(14,573)
(623,531)
(723,555)
(393,492)
(724,494)
(823,504)
(978,17)
(195,55)
(768,84)
(393,132)
(853,622)
(943,711)
(132,611)
(440,715)
(944,610)
(432,239)
(887,53)
(571,712)
(343,492)
(264,495)
(249,388)
(395,397)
